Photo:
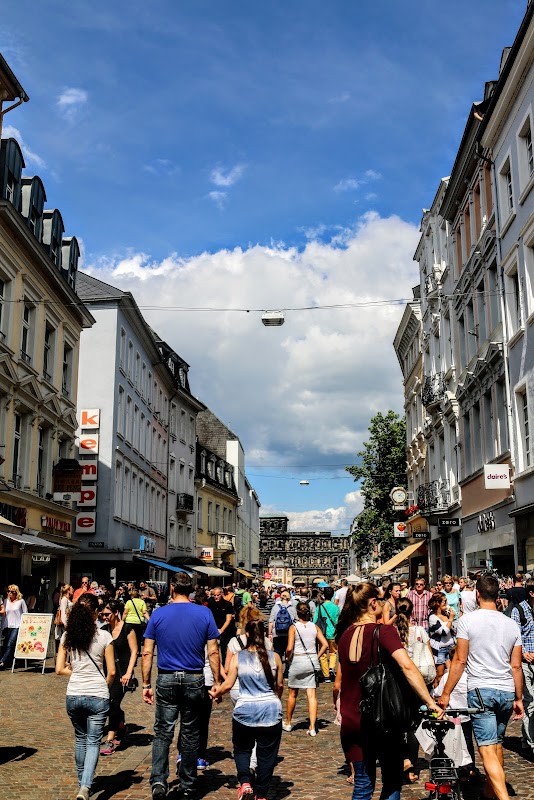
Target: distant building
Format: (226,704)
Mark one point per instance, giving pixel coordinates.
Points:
(217,508)
(301,557)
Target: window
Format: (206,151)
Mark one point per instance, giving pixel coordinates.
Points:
(118,489)
(489,441)
(17,448)
(3,309)
(524,427)
(493,288)
(133,504)
(66,371)
(481,312)
(210,516)
(182,426)
(528,149)
(217,517)
(123,349)
(219,472)
(507,190)
(225,519)
(120,412)
(27,333)
(502,418)
(173,420)
(210,467)
(149,389)
(203,462)
(513,299)
(128,425)
(230,521)
(461,342)
(199,512)
(142,445)
(140,505)
(126,494)
(172,535)
(135,436)
(525,154)
(137,370)
(48,355)
(477,437)
(143,380)
(130,359)
(468,464)
(42,461)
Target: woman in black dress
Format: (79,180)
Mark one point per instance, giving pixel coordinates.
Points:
(125,647)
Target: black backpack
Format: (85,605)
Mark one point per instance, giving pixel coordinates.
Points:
(238,603)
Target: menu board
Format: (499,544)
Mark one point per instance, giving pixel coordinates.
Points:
(34,633)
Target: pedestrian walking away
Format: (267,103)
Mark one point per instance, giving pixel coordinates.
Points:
(181,631)
(523,615)
(257,717)
(223,613)
(84,652)
(125,653)
(326,617)
(283,615)
(11,610)
(136,615)
(304,665)
(489,649)
(362,747)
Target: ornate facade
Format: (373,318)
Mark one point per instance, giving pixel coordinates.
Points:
(310,555)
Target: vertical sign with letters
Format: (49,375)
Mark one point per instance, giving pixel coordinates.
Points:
(88,451)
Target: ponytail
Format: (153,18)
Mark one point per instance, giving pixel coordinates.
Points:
(256,638)
(404,613)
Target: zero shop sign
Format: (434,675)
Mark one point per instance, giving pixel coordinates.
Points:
(449,523)
(497,476)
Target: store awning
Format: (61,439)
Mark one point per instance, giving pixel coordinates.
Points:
(35,542)
(405,554)
(210,571)
(162,564)
(244,572)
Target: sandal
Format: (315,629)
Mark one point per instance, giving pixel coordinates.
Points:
(108,749)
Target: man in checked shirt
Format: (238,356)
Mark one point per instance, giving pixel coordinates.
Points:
(523,614)
(419,597)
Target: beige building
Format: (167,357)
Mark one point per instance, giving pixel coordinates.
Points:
(41,319)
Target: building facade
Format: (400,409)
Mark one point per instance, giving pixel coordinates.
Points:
(302,557)
(41,319)
(217,506)
(216,437)
(141,507)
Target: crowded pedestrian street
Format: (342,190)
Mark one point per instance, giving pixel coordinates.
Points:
(37,758)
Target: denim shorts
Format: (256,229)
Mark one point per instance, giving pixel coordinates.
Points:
(490,727)
(443,655)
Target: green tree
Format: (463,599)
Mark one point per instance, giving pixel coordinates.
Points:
(383,466)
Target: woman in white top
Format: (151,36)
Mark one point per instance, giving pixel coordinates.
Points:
(88,688)
(65,604)
(12,610)
(303,658)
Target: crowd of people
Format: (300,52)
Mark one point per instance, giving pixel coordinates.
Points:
(441,643)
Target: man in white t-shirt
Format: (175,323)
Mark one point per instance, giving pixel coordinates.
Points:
(489,649)
(341,595)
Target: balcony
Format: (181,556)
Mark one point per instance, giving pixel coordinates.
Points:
(433,389)
(224,541)
(185,502)
(434,496)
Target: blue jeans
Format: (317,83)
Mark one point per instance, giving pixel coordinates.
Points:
(267,742)
(389,752)
(490,727)
(10,640)
(88,715)
(177,693)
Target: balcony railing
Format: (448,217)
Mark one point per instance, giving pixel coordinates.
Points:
(433,496)
(185,502)
(433,389)
(16,480)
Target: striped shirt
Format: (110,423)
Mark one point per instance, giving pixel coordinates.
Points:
(527,630)
(420,607)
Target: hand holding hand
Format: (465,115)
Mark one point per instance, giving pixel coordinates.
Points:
(519,711)
(148,696)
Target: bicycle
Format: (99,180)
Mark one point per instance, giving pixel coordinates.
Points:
(444,780)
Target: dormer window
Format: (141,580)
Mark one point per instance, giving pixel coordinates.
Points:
(33,200)
(70,254)
(53,230)
(11,164)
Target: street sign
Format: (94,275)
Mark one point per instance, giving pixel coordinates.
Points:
(267,576)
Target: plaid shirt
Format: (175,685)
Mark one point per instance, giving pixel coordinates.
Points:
(420,607)
(527,630)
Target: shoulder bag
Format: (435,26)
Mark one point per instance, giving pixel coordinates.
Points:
(423,658)
(383,707)
(317,672)
(142,621)
(321,620)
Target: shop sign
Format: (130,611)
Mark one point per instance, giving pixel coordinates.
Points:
(420,535)
(86,522)
(400,530)
(95,545)
(15,514)
(146,544)
(55,524)
(267,576)
(449,523)
(497,476)
(88,497)
(40,558)
(486,522)
(206,553)
(33,636)
(89,469)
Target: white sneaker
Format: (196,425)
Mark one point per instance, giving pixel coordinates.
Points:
(287,726)
(312,732)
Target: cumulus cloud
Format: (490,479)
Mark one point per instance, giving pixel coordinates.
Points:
(351,184)
(227,176)
(329,519)
(31,158)
(302,393)
(71,101)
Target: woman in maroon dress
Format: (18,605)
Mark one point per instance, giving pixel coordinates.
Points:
(354,635)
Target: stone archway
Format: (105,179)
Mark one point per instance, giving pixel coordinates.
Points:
(318,579)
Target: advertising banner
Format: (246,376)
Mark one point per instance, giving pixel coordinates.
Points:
(400,529)
(33,636)
(497,476)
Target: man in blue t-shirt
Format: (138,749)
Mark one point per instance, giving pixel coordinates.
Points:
(182,631)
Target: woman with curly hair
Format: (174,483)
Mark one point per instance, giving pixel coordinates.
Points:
(88,689)
(257,717)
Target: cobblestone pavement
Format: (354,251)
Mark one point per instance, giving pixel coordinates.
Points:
(37,751)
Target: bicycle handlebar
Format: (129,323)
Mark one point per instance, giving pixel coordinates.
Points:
(455,711)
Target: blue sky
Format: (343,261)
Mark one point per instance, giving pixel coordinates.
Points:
(238,154)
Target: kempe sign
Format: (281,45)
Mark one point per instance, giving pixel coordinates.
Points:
(88,449)
(497,476)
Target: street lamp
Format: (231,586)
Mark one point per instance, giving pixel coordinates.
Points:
(270,318)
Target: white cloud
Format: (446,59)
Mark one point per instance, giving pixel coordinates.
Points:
(351,184)
(304,392)
(219,198)
(227,176)
(31,158)
(71,101)
(162,166)
(344,97)
(328,519)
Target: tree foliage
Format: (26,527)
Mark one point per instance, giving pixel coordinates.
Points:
(383,466)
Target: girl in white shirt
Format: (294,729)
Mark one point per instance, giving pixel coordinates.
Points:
(88,688)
